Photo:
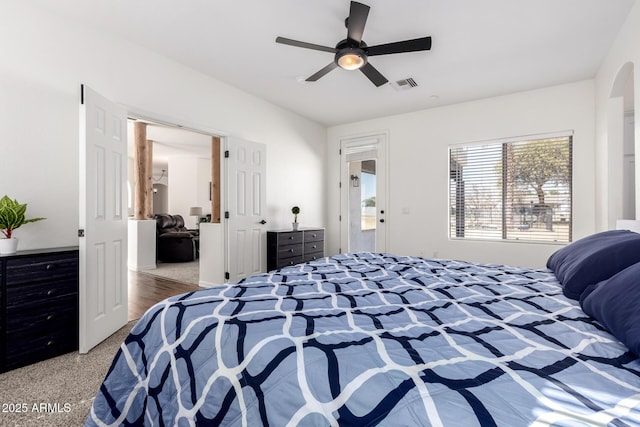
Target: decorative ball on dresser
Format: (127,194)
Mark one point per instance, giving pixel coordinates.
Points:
(295,211)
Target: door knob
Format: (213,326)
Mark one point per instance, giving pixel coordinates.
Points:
(263,222)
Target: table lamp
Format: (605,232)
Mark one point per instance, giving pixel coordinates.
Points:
(197,212)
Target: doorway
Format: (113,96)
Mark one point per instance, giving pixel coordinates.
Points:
(363,207)
(180,169)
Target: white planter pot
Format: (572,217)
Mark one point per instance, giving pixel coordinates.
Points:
(8,246)
(294,225)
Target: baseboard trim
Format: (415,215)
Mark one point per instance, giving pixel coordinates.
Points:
(204,284)
(142,268)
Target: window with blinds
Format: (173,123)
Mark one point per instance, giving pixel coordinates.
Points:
(515,189)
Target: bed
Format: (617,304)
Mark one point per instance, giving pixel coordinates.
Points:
(373,339)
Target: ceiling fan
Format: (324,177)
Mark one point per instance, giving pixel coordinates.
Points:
(353,53)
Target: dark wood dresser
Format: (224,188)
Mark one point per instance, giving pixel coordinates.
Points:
(38,305)
(287,247)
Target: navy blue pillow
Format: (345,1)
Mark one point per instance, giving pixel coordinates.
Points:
(594,258)
(615,303)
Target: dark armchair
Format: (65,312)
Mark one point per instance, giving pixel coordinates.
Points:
(174,242)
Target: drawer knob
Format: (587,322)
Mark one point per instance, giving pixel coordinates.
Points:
(290,250)
(51,292)
(50,343)
(314,246)
(290,237)
(51,317)
(52,266)
(314,235)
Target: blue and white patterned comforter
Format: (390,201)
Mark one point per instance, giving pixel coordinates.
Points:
(373,339)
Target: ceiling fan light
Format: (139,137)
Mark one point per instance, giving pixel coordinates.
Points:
(351,59)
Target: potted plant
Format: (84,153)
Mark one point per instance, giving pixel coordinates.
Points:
(295,211)
(12,216)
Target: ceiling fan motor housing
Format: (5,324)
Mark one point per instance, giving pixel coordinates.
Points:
(350,54)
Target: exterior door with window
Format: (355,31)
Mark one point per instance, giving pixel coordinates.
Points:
(363,215)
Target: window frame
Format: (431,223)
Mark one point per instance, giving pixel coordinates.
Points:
(457,224)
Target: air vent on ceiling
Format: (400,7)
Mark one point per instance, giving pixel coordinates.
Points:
(404,84)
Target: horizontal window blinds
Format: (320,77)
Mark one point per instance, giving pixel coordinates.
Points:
(516,190)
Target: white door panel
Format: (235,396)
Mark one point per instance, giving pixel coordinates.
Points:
(103,217)
(246,201)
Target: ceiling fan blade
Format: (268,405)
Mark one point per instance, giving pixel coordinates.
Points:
(415,45)
(356,21)
(322,72)
(291,42)
(373,74)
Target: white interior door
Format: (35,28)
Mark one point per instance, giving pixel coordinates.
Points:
(103,218)
(363,196)
(246,203)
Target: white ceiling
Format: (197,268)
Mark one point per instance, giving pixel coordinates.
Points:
(169,142)
(480,48)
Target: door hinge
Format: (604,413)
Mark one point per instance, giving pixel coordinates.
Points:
(226,214)
(81,94)
(226,154)
(339,217)
(227,276)
(81,233)
(340,152)
(340,184)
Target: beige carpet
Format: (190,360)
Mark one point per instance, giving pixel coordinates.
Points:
(185,272)
(58,391)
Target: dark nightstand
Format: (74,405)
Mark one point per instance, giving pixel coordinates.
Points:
(38,306)
(287,247)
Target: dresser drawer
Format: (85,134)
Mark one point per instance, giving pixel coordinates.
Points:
(286,262)
(289,238)
(312,257)
(313,247)
(21,351)
(313,236)
(30,295)
(288,251)
(61,313)
(25,270)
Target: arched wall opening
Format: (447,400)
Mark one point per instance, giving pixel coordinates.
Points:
(622,175)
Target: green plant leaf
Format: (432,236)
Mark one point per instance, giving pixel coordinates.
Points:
(12,215)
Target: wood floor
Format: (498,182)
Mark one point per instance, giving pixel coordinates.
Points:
(145,290)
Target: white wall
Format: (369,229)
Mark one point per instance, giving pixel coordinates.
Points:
(629,167)
(160,198)
(419,174)
(45,58)
(625,50)
(189,178)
